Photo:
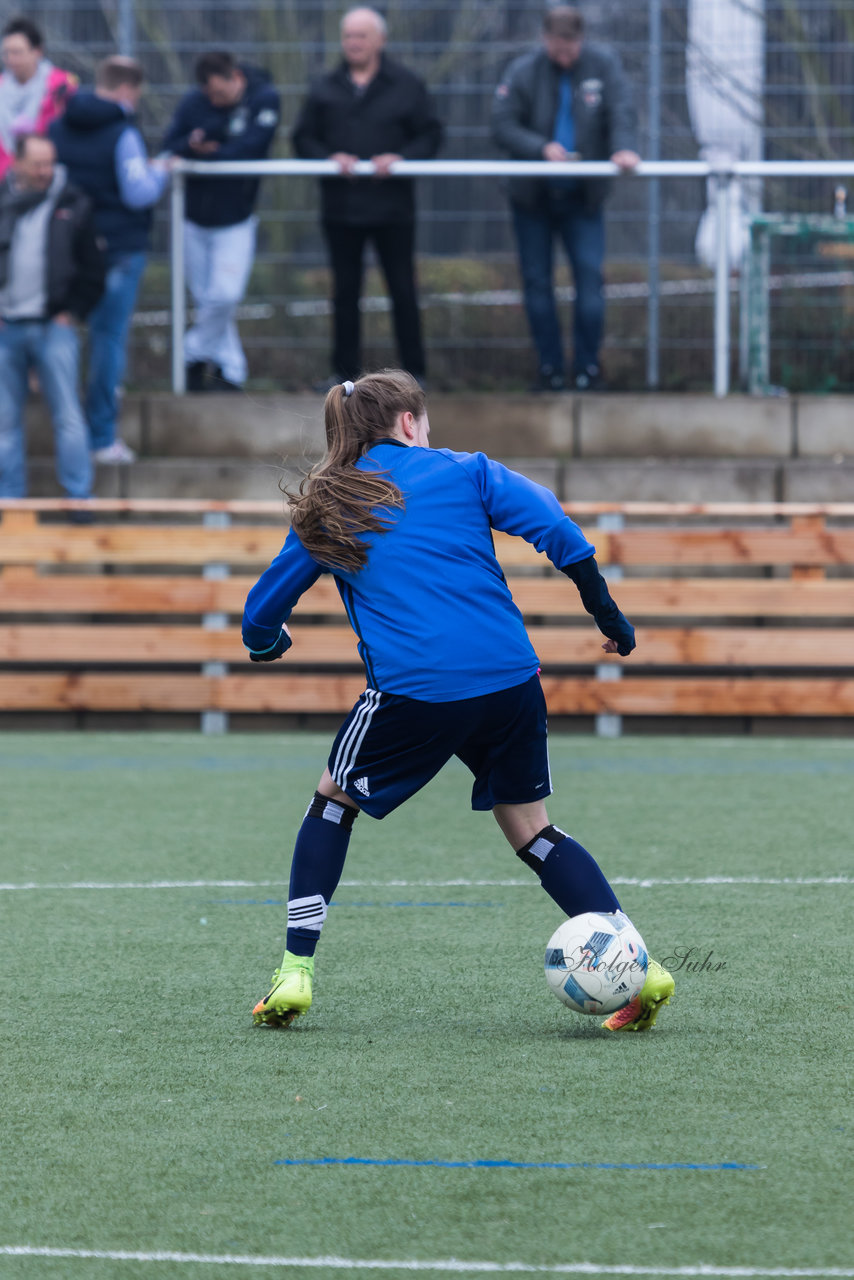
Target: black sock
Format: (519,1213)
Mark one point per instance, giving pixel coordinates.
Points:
(319,854)
(568,873)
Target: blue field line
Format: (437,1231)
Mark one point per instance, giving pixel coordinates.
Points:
(725,1166)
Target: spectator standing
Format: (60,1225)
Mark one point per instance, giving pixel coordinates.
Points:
(369,108)
(51,274)
(33,92)
(566,100)
(99,142)
(232,115)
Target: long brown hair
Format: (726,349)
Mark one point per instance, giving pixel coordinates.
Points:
(337,501)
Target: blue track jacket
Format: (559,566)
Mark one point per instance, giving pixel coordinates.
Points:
(431,609)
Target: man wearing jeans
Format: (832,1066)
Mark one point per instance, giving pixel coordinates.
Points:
(232,115)
(51,274)
(100,144)
(566,100)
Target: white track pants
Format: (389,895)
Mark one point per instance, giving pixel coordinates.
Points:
(218,262)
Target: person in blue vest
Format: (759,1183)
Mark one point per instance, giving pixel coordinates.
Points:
(406,532)
(232,115)
(566,100)
(98,142)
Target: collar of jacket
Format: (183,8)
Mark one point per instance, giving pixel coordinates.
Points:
(342,73)
(578,67)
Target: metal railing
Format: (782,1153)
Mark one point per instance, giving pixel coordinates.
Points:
(657,169)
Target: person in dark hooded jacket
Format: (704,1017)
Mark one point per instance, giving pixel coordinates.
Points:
(232,115)
(98,142)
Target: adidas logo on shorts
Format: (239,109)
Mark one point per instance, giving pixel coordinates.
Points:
(361,784)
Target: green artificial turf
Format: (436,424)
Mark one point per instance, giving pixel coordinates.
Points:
(143,1112)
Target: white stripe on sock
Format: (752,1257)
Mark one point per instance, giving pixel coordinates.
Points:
(541,849)
(332,811)
(307,913)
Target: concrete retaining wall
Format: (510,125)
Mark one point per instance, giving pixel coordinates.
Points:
(608,447)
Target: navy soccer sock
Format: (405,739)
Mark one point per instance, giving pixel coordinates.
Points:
(318,861)
(568,873)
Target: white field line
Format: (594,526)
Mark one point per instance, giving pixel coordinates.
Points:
(623,881)
(453,1265)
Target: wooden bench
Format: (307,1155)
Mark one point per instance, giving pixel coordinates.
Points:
(740,611)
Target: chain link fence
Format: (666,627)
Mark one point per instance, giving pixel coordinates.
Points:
(784,90)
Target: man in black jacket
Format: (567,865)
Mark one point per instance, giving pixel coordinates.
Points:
(566,100)
(232,115)
(369,108)
(51,274)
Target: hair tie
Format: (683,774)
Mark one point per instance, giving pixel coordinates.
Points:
(348,389)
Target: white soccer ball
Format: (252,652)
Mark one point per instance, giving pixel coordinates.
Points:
(596,962)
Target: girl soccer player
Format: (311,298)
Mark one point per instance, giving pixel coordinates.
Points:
(406,531)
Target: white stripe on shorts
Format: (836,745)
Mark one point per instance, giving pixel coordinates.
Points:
(360,711)
(348,751)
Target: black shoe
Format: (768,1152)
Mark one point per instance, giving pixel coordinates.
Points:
(549,380)
(589,379)
(195,375)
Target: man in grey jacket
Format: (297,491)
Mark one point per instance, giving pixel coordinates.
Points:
(51,275)
(566,100)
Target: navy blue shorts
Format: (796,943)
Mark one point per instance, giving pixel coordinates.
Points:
(389,747)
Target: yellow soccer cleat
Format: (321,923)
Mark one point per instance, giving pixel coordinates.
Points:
(641,1012)
(290,993)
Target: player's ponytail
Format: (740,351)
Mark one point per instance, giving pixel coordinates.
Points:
(337,501)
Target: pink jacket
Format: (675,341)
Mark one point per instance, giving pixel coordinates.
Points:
(60,86)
